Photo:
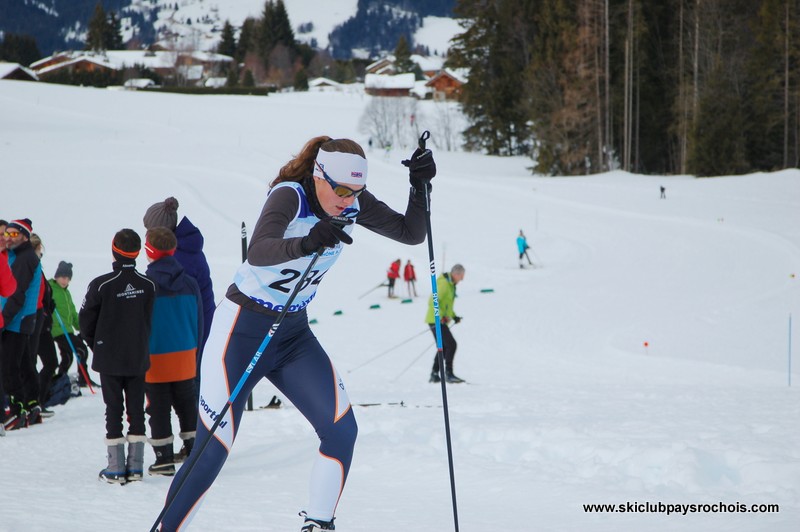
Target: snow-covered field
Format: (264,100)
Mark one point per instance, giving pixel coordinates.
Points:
(643,361)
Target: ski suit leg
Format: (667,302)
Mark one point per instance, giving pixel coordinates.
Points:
(307,377)
(235,336)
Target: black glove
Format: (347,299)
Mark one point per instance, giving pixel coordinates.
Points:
(326,234)
(421,169)
(457,319)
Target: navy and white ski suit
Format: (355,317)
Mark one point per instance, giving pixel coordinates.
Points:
(293,361)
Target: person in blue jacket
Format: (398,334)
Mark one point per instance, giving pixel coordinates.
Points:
(522,247)
(175,337)
(189,252)
(19,315)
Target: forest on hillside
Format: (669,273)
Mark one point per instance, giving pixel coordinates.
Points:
(703,87)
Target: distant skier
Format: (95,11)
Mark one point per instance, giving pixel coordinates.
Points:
(663,193)
(522,247)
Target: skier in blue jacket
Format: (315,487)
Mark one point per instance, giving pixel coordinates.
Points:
(522,247)
(328,178)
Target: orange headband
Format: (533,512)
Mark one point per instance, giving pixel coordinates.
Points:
(126,254)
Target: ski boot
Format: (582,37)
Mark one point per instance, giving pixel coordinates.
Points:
(435,377)
(450,378)
(313,525)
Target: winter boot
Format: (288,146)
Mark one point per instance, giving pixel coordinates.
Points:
(313,525)
(115,472)
(134,467)
(450,378)
(11,419)
(188,444)
(165,457)
(34,413)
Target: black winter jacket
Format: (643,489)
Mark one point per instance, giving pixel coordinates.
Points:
(115,320)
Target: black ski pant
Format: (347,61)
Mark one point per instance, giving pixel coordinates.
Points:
(448,349)
(67,355)
(161,398)
(123,395)
(33,354)
(49,358)
(19,368)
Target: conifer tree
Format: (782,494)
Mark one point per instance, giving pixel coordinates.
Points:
(97,33)
(402,56)
(227,44)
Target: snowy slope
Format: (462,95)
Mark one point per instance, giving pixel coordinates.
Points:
(566,406)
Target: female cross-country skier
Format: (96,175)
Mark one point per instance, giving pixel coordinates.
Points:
(328,178)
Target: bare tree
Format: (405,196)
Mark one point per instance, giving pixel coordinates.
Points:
(390,121)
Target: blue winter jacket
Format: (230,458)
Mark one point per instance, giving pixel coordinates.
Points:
(190,255)
(19,309)
(177,325)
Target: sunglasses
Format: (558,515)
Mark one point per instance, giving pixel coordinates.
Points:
(11,234)
(340,190)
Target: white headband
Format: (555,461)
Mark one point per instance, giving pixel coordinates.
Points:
(344,168)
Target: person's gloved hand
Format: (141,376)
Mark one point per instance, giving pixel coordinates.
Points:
(326,233)
(457,319)
(421,169)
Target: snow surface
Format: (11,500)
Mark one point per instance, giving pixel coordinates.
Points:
(566,404)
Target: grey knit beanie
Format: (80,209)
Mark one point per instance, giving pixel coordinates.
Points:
(162,214)
(64,270)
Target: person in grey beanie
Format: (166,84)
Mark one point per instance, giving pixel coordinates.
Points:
(189,252)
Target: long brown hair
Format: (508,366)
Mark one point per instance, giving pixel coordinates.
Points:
(303,163)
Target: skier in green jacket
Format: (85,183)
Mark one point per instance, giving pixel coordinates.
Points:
(446,289)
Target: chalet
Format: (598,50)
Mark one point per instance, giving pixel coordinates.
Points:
(79,64)
(192,66)
(17,72)
(323,85)
(446,84)
(383,66)
(383,85)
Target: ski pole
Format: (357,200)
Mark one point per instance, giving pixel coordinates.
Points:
(194,456)
(379,355)
(244,258)
(439,350)
(417,358)
(74,352)
(372,290)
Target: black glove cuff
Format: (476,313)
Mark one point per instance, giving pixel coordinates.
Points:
(418,189)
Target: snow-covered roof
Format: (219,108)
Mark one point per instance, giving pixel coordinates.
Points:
(399,81)
(459,74)
(6,69)
(139,83)
(119,59)
(90,59)
(323,82)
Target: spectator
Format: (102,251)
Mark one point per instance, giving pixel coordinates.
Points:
(410,277)
(44,320)
(19,314)
(189,252)
(115,321)
(67,325)
(8,286)
(446,291)
(392,274)
(175,337)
